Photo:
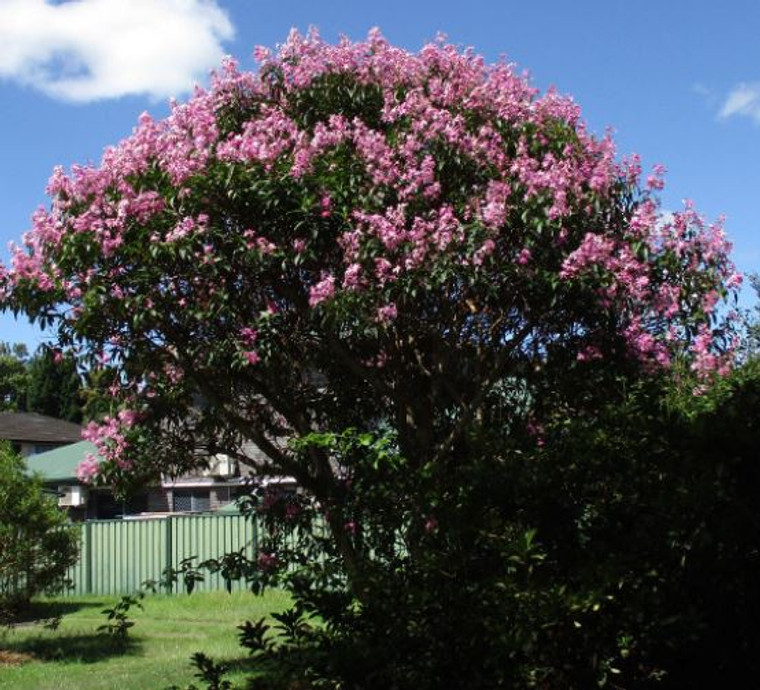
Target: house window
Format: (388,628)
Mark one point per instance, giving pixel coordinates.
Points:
(103,506)
(192,500)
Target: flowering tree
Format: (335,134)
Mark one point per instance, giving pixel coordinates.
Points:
(417,246)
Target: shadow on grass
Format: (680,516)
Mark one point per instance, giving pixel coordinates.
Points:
(38,611)
(269,673)
(248,665)
(80,648)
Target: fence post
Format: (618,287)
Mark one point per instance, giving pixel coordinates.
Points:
(169,548)
(87,549)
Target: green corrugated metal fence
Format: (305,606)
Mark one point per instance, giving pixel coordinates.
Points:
(117,556)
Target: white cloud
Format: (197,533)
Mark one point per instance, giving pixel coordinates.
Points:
(85,50)
(744,100)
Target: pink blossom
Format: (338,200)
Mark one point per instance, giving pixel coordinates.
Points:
(326,205)
(322,291)
(589,353)
(485,249)
(88,469)
(655,181)
(249,335)
(387,313)
(251,357)
(352,279)
(261,53)
(523,257)
(384,270)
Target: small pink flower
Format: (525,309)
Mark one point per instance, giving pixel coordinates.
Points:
(387,313)
(252,357)
(589,353)
(523,257)
(655,181)
(261,54)
(322,291)
(485,250)
(248,335)
(326,206)
(352,278)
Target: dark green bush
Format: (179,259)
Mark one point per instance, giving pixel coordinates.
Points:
(623,553)
(37,543)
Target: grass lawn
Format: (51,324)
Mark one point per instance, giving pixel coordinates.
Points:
(165,634)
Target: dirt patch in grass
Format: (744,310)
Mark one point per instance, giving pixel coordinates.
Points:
(14,658)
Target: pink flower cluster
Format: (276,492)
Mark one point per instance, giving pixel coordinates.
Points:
(87,470)
(321,291)
(109,437)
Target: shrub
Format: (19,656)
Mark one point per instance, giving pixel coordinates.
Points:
(37,544)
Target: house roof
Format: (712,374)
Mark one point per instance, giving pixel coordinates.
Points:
(60,464)
(29,426)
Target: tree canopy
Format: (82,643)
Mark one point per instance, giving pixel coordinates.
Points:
(356,233)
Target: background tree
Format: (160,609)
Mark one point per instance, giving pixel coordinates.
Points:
(14,376)
(54,387)
(396,274)
(97,402)
(751,343)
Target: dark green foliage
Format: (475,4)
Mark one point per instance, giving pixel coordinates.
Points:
(648,515)
(118,621)
(37,544)
(233,566)
(14,377)
(209,672)
(96,400)
(622,553)
(187,572)
(252,636)
(47,383)
(54,386)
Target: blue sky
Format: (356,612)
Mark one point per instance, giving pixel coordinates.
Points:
(678,81)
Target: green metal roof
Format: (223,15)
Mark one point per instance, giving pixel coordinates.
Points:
(60,464)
